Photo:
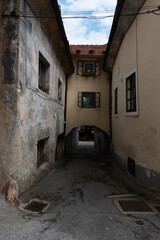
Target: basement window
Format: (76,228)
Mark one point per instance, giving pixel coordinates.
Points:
(131,166)
(41,156)
(89,99)
(43,82)
(131,94)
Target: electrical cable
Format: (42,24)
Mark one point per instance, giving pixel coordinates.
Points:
(91,17)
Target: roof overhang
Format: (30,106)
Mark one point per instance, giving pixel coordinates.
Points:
(48,15)
(121,23)
(63,34)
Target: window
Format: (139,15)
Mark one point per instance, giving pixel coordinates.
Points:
(41,151)
(131,166)
(43,83)
(59,90)
(89,67)
(131,94)
(116,101)
(89,99)
(93,67)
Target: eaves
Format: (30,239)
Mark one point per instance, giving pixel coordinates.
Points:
(62,31)
(123,19)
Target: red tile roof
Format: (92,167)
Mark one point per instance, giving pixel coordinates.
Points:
(88,50)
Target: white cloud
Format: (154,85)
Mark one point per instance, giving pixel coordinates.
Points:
(81,31)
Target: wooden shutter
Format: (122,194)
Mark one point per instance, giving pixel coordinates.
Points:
(98,68)
(79,68)
(97,99)
(80,99)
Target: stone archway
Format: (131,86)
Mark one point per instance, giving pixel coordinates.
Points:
(85,134)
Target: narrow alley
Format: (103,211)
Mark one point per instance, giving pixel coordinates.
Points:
(82,190)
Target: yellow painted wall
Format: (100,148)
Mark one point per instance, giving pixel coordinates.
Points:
(77,116)
(138,137)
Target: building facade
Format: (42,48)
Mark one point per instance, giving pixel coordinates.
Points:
(133,57)
(35,60)
(88,95)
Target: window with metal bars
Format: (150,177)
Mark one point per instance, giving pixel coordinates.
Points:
(43,82)
(131,94)
(116,101)
(89,99)
(41,151)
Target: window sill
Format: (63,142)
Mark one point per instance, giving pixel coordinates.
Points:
(132,114)
(46,92)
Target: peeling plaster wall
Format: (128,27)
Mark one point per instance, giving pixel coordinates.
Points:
(40,115)
(27,114)
(9,32)
(138,137)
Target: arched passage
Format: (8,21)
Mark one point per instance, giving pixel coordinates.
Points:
(87,137)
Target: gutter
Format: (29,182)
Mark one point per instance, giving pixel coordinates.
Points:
(62,31)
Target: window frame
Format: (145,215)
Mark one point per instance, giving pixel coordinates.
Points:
(116,101)
(46,81)
(97,67)
(60,90)
(131,113)
(97,97)
(41,151)
(93,63)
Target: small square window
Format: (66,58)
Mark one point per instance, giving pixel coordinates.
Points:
(59,90)
(116,101)
(88,99)
(88,67)
(131,94)
(43,82)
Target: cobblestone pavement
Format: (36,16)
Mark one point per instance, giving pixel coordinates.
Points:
(82,191)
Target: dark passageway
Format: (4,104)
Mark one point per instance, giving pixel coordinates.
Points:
(87,139)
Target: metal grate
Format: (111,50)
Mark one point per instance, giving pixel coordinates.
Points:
(134,206)
(36,206)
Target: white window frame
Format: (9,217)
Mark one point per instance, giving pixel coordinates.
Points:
(135,113)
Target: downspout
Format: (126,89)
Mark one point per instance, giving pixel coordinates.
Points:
(110,104)
(65,108)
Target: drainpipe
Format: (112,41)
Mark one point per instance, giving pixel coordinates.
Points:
(110,104)
(65,108)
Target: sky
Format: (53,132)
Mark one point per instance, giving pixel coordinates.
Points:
(87,31)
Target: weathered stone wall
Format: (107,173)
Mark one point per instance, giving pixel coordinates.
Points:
(40,114)
(9,32)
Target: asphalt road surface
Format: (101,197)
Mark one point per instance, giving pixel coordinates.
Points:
(82,191)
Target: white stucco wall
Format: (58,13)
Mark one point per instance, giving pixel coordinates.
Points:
(138,137)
